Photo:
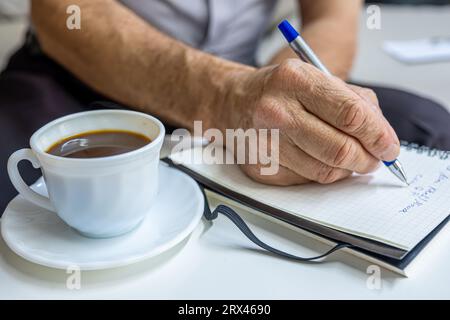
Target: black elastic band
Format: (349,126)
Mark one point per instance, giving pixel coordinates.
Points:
(240,223)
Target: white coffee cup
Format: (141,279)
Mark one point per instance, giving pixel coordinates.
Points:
(99,197)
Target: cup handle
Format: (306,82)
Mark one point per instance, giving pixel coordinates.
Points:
(20,185)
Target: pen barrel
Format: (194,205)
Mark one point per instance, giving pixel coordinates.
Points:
(305,53)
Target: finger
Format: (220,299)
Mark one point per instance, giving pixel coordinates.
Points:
(367,94)
(306,166)
(332,101)
(370,95)
(329,145)
(284,176)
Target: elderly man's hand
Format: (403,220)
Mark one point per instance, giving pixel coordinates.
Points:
(328,129)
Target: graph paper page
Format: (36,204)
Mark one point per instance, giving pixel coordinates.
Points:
(375,206)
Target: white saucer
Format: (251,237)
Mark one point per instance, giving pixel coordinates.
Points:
(40,236)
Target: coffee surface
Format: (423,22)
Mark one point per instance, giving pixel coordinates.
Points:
(98,144)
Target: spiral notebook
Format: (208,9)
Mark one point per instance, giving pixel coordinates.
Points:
(375,213)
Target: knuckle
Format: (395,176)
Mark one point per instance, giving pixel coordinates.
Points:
(326,174)
(351,116)
(270,112)
(371,95)
(344,154)
(367,91)
(288,71)
(290,65)
(381,141)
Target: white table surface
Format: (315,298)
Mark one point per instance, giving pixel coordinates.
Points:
(218,262)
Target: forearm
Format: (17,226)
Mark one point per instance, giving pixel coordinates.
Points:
(121,56)
(334,43)
(331,33)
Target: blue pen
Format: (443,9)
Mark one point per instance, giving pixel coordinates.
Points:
(305,53)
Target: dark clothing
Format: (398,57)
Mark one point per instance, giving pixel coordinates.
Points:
(35,90)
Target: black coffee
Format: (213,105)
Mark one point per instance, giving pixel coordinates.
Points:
(98,144)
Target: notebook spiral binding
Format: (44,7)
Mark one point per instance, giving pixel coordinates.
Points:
(430,152)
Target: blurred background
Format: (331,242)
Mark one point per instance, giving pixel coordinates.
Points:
(401,20)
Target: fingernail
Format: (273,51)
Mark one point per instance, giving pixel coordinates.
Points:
(391,153)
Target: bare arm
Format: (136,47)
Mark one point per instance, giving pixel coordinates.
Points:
(123,57)
(331,29)
(327,130)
